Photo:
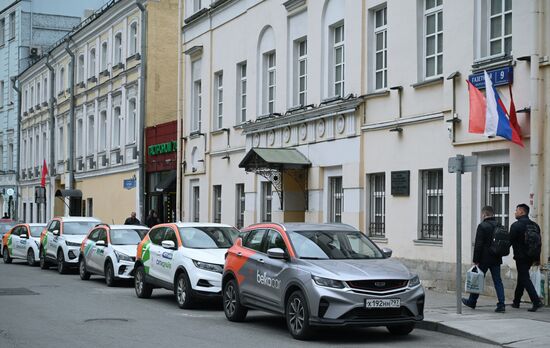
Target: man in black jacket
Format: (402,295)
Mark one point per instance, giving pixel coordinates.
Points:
(132,220)
(485,260)
(523,261)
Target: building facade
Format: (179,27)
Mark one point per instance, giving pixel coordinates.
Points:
(332,111)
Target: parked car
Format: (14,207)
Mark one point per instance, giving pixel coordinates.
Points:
(319,275)
(187,258)
(60,241)
(5,226)
(21,242)
(110,251)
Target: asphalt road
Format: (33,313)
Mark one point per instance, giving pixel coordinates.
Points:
(45,309)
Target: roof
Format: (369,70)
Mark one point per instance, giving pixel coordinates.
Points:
(77,219)
(128,227)
(287,158)
(199,224)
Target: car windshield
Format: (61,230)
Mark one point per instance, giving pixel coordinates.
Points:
(127,237)
(37,230)
(324,245)
(208,237)
(78,227)
(4,228)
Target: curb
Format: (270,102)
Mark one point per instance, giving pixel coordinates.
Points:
(442,328)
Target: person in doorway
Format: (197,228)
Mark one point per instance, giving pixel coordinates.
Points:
(152,219)
(6,216)
(485,260)
(132,220)
(523,260)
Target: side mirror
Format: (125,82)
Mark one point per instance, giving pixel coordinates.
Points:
(100,243)
(168,244)
(24,236)
(276,253)
(55,232)
(387,252)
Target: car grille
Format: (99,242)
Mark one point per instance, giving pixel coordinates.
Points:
(377,313)
(378,285)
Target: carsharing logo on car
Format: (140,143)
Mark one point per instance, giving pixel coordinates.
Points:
(167,255)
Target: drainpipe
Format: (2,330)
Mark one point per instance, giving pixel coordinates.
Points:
(18,127)
(179,120)
(143,77)
(69,184)
(52,135)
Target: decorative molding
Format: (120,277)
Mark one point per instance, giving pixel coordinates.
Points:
(292,5)
(402,122)
(194,51)
(428,82)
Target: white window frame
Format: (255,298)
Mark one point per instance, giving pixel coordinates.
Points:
(91,63)
(79,133)
(61,144)
(197,6)
(240,200)
(217,203)
(90,135)
(218,100)
(103,126)
(377,209)
(31,98)
(497,190)
(2,31)
(38,92)
(117,48)
(1,95)
(133,38)
(197,106)
(104,55)
(12,25)
(242,86)
(195,203)
(132,121)
(81,68)
(433,9)
(338,45)
(336,199)
(380,53)
(300,80)
(503,37)
(117,120)
(267,201)
(429,210)
(61,79)
(270,81)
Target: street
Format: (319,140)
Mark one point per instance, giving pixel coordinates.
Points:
(64,311)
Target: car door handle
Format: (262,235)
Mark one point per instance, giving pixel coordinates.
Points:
(239,254)
(261,260)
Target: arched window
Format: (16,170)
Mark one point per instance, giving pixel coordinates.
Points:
(267,60)
(333,42)
(117,120)
(133,38)
(62,80)
(102,130)
(91,63)
(80,74)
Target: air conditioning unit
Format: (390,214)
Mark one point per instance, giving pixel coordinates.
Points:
(35,52)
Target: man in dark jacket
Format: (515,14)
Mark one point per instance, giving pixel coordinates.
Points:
(485,260)
(523,261)
(132,220)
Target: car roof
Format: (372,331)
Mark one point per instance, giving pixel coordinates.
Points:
(200,224)
(77,219)
(128,227)
(36,225)
(317,227)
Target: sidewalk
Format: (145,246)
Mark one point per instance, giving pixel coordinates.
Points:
(515,328)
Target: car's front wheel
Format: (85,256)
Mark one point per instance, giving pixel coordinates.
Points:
(143,290)
(401,330)
(84,274)
(61,265)
(31,260)
(6,255)
(43,263)
(110,278)
(232,307)
(297,316)
(183,291)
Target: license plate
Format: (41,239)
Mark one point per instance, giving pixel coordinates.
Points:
(383,303)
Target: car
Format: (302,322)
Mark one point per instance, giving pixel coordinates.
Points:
(5,226)
(319,275)
(60,242)
(186,258)
(21,242)
(110,251)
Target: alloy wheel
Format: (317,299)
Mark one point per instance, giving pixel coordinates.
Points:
(296,313)
(181,291)
(230,300)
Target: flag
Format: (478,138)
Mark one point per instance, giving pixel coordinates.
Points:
(477,110)
(44,173)
(516,129)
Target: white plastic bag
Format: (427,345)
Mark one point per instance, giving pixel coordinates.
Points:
(536,276)
(475,281)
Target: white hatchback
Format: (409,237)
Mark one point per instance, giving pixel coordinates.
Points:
(110,251)
(21,242)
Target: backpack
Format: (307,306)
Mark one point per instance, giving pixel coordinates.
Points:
(533,241)
(500,243)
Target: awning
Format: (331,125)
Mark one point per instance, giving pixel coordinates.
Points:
(279,159)
(68,193)
(168,184)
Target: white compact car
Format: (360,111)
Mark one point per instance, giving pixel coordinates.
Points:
(60,242)
(110,251)
(21,242)
(187,258)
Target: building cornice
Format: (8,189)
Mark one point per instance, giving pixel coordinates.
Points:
(292,5)
(402,122)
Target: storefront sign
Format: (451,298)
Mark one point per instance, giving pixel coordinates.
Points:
(158,149)
(129,184)
(400,183)
(500,76)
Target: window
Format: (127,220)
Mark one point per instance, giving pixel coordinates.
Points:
(46,89)
(61,79)
(218,100)
(79,130)
(241,102)
(275,240)
(338,59)
(31,212)
(157,235)
(10,92)
(301,72)
(102,130)
(80,73)
(270,83)
(196,204)
(377,205)
(91,133)
(197,5)
(267,198)
(10,156)
(104,56)
(336,199)
(2,155)
(254,239)
(432,204)
(61,145)
(433,31)
(38,93)
(133,39)
(239,205)
(1,94)
(132,118)
(2,30)
(90,202)
(117,120)
(197,108)
(26,100)
(381,48)
(12,25)
(497,190)
(217,203)
(91,63)
(500,27)
(31,103)
(118,48)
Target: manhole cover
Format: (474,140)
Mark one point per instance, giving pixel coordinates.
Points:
(106,320)
(16,292)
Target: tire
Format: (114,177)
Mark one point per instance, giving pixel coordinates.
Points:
(183,291)
(84,274)
(232,307)
(31,260)
(6,255)
(143,290)
(110,278)
(401,330)
(61,265)
(43,263)
(297,316)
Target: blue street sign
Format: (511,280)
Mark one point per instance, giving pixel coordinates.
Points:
(500,76)
(129,184)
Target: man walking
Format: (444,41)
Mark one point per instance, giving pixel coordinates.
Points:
(518,232)
(485,259)
(132,220)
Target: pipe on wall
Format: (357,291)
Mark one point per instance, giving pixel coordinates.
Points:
(143,77)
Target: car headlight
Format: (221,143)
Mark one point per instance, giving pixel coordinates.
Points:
(414,281)
(72,244)
(212,267)
(122,257)
(329,283)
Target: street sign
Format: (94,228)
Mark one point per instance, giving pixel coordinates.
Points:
(462,164)
(129,184)
(500,76)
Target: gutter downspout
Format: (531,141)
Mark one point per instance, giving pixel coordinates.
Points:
(18,90)
(179,120)
(142,100)
(69,184)
(52,134)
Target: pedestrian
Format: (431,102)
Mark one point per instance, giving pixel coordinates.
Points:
(152,219)
(132,220)
(6,216)
(485,259)
(518,232)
